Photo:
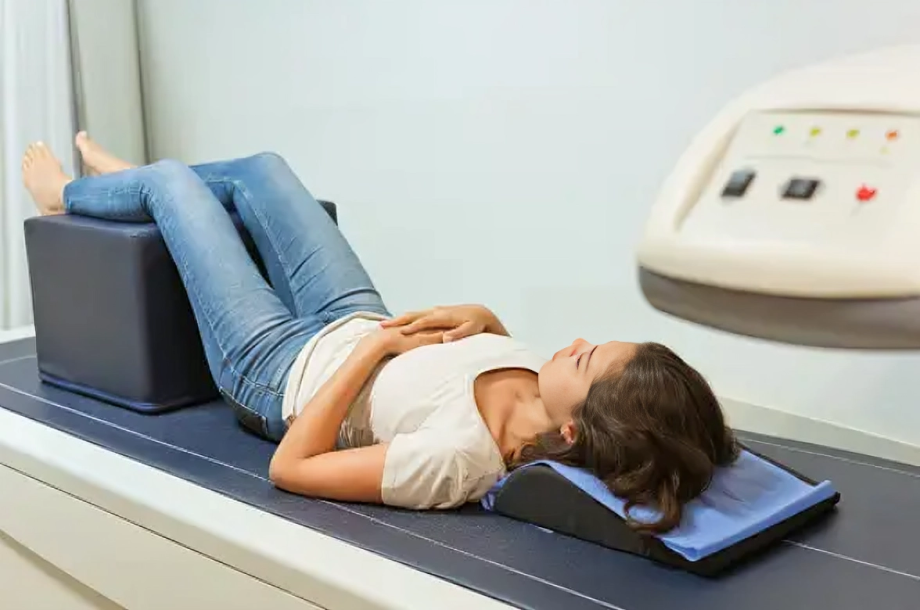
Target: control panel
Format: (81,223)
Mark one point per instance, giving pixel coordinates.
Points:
(830,183)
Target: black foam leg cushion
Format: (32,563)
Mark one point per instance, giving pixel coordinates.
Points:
(112,319)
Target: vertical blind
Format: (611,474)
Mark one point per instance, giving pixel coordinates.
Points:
(47,76)
(36,103)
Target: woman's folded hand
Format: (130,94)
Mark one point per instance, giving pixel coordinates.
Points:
(455,321)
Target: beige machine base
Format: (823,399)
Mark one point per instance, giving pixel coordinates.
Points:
(59,552)
(29,582)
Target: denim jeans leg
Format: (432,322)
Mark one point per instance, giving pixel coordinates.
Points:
(250,337)
(311,265)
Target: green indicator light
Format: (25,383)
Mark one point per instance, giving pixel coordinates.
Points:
(779,129)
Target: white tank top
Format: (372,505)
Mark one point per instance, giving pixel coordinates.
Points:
(440,454)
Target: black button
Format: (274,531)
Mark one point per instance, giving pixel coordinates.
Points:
(801,188)
(738,183)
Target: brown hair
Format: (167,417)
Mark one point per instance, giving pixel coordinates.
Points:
(652,430)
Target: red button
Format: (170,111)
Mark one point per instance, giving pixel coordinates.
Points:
(866,193)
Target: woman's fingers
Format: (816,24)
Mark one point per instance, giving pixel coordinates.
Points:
(418,340)
(431,338)
(427,322)
(452,325)
(423,323)
(466,329)
(405,318)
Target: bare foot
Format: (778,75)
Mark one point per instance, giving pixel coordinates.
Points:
(44,178)
(98,159)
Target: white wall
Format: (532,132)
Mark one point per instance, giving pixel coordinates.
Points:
(507,151)
(108,77)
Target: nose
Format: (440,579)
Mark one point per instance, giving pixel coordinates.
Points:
(577,346)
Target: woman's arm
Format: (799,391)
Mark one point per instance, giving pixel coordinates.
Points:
(306,461)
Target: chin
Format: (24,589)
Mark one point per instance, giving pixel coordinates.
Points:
(543,374)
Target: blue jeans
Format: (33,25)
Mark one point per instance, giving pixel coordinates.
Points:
(251,330)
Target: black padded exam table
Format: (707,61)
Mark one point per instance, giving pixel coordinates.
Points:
(864,556)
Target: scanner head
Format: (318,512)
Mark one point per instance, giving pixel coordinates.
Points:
(793,215)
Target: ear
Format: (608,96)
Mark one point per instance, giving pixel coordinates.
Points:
(568,431)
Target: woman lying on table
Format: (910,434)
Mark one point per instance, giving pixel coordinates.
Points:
(423,410)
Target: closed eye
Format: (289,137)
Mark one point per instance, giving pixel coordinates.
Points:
(588,361)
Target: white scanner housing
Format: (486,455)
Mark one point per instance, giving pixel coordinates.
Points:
(795,213)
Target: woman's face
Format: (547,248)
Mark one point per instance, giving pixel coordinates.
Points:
(564,381)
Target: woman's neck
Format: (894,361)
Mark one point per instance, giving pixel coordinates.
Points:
(510,405)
